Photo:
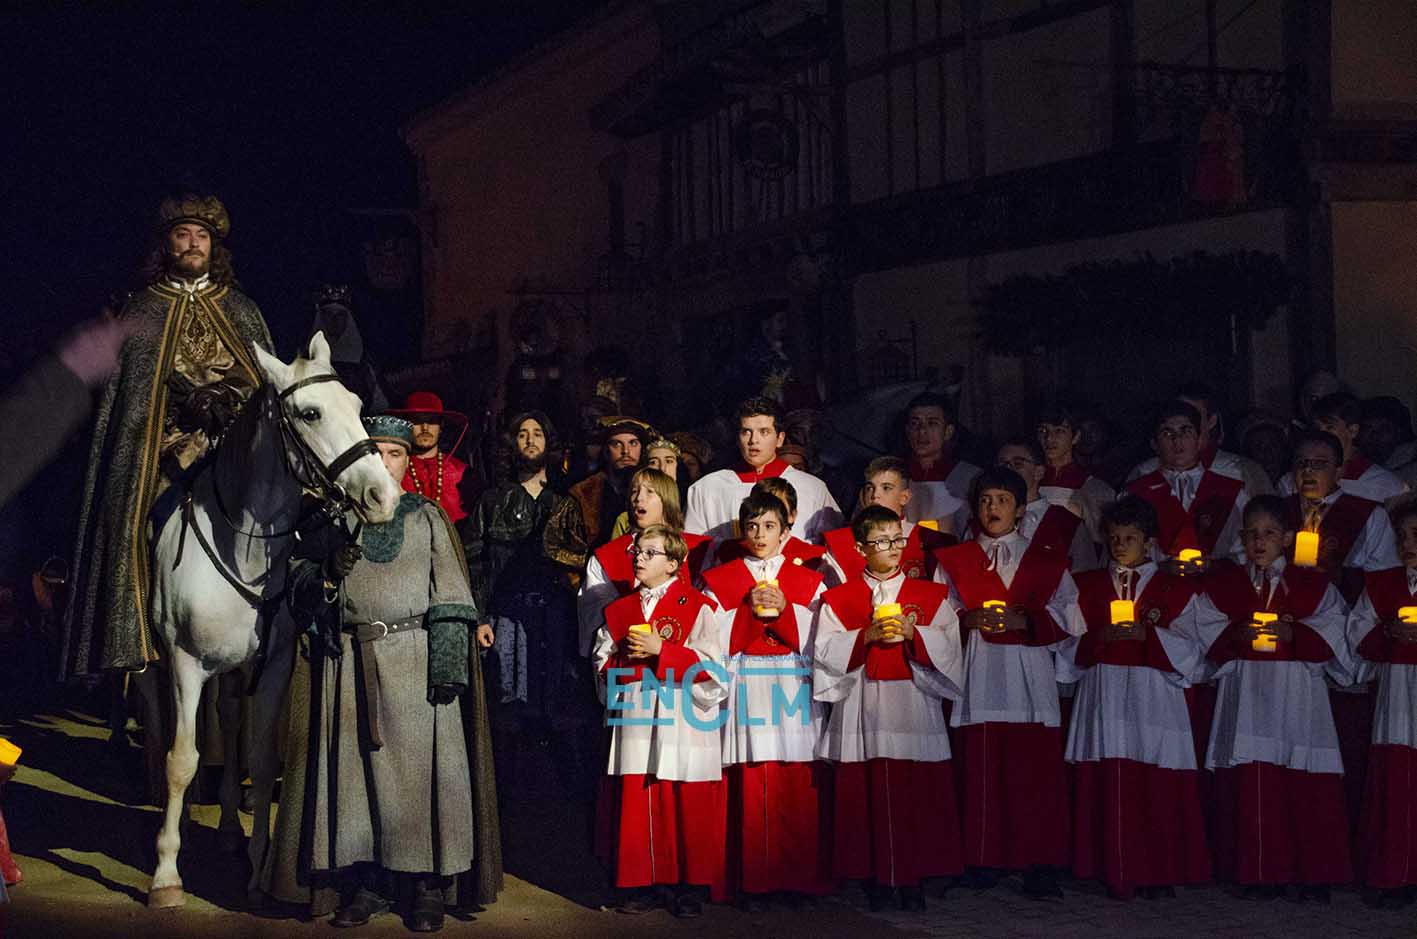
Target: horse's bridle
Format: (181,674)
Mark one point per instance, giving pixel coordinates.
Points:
(327,481)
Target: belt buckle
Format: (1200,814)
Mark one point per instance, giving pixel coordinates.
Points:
(385,633)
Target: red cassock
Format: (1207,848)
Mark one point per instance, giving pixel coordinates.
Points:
(776,820)
(1015,786)
(1388,824)
(797,552)
(438,478)
(1199,527)
(660,831)
(1135,823)
(894,821)
(1276,824)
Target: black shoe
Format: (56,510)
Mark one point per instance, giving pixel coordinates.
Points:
(879,898)
(912,899)
(1315,893)
(365,905)
(1040,883)
(425,914)
(1262,892)
(753,903)
(644,900)
(687,904)
(980,878)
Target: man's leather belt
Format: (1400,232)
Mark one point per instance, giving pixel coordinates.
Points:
(366,634)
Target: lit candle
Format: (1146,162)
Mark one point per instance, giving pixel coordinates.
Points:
(1264,642)
(1189,556)
(887,611)
(1306,548)
(931,523)
(1124,613)
(9,753)
(641,628)
(998,605)
(767,612)
(1408,614)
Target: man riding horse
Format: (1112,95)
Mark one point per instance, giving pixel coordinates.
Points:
(183,373)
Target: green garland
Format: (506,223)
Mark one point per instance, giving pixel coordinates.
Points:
(1024,314)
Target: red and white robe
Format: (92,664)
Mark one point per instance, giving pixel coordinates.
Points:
(1388,828)
(661,814)
(797,551)
(714,500)
(1234,465)
(1280,816)
(1073,485)
(1050,526)
(1362,478)
(778,792)
(1015,800)
(942,491)
(844,563)
(1137,811)
(1207,520)
(894,818)
(1355,536)
(610,574)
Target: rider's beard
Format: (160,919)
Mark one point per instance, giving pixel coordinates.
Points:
(188,265)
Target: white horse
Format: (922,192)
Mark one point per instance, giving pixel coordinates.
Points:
(220,563)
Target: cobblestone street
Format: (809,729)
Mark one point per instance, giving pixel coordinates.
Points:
(85,854)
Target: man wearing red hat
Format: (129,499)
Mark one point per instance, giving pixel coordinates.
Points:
(434,472)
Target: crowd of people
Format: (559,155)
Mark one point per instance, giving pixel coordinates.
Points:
(1199,668)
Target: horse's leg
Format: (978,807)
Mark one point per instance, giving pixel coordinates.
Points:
(267,707)
(188,677)
(230,837)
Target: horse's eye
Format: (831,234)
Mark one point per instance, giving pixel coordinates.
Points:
(310,415)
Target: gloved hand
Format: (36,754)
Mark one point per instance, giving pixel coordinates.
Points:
(444,694)
(342,560)
(209,409)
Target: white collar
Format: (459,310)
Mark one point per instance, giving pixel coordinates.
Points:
(652,595)
(190,287)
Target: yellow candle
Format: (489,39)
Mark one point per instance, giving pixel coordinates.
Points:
(1408,614)
(1264,642)
(767,612)
(1124,613)
(9,753)
(1189,555)
(888,609)
(1306,548)
(641,628)
(931,523)
(999,605)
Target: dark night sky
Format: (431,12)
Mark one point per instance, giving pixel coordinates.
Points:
(290,116)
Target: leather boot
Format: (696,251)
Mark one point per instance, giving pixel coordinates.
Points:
(365,905)
(425,913)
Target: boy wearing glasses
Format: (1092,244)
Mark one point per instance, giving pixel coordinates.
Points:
(1383,630)
(887,653)
(1341,414)
(774,785)
(1016,606)
(660,817)
(1050,525)
(1196,507)
(887,484)
(1280,817)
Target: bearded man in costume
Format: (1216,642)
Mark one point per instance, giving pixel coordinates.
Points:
(182,375)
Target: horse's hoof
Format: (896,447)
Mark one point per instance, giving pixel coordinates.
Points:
(166,898)
(231,842)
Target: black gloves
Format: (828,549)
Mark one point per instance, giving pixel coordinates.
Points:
(341,561)
(444,694)
(210,408)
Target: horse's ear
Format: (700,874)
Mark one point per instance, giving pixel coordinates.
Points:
(319,350)
(276,371)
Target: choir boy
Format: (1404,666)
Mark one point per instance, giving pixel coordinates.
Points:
(1045,523)
(1137,820)
(1196,508)
(887,654)
(1280,817)
(1017,605)
(1203,398)
(1383,630)
(1341,414)
(797,551)
(939,480)
(660,818)
(1065,482)
(887,484)
(776,790)
(714,499)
